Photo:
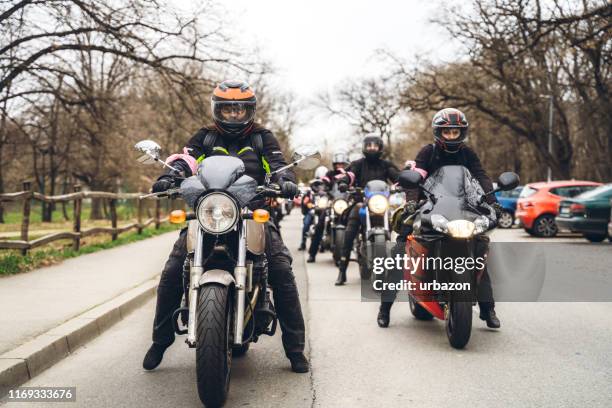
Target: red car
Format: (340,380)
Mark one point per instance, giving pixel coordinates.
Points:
(538,204)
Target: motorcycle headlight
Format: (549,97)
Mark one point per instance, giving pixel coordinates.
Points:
(340,206)
(461,228)
(378,204)
(217,213)
(397,200)
(322,202)
(482,224)
(439,223)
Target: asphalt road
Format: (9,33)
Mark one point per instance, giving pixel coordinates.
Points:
(545,355)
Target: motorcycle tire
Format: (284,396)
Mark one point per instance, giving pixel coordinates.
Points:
(379,250)
(364,270)
(459,324)
(338,245)
(214,348)
(419,311)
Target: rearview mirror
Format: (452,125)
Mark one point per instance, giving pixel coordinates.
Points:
(508,181)
(307,157)
(410,179)
(150,149)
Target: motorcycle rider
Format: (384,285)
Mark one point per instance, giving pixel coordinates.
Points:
(342,179)
(450,130)
(234,133)
(371,167)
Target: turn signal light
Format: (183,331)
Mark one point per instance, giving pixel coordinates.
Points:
(261,216)
(177,217)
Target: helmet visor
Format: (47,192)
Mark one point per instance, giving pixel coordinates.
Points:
(233,112)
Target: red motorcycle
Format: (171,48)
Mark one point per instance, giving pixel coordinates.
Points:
(447,251)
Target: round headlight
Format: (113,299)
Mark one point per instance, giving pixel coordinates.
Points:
(217,213)
(378,204)
(339,206)
(322,202)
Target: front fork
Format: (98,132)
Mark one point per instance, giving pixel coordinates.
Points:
(194,278)
(240,274)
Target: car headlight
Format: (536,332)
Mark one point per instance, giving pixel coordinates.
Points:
(217,213)
(322,202)
(378,204)
(482,224)
(340,206)
(460,228)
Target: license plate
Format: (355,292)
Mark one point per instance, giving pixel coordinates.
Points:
(565,210)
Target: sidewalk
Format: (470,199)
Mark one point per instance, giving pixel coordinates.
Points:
(35,302)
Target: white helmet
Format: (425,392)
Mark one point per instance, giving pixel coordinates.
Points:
(320,172)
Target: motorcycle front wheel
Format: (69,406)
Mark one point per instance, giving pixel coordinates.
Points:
(214,348)
(362,260)
(459,323)
(338,244)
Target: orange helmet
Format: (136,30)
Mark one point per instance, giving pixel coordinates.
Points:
(233,105)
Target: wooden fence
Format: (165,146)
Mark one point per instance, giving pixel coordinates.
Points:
(27,196)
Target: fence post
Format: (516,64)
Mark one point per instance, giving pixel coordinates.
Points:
(77,218)
(139,212)
(25,222)
(113,213)
(157,213)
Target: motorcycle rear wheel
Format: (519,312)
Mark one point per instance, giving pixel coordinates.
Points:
(214,348)
(459,324)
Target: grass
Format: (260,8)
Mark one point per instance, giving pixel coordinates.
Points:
(12,262)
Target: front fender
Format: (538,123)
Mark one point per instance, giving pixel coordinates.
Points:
(217,276)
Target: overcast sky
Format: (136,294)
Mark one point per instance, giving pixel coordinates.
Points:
(316,44)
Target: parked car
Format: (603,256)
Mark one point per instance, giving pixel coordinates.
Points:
(538,204)
(508,200)
(587,213)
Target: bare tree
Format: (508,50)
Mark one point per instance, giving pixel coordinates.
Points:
(370,105)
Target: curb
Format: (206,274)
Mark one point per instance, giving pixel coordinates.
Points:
(30,359)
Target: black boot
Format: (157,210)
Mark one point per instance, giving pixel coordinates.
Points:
(302,246)
(384,314)
(154,356)
(311,258)
(341,274)
(490,317)
(299,363)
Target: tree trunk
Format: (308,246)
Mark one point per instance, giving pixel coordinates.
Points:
(96,209)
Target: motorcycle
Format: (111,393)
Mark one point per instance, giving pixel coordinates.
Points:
(374,239)
(226,303)
(336,228)
(451,223)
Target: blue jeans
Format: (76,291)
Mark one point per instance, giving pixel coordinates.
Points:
(308,219)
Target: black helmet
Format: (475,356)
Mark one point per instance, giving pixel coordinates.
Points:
(340,158)
(233,105)
(450,118)
(369,140)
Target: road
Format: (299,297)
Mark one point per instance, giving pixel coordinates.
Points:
(546,354)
